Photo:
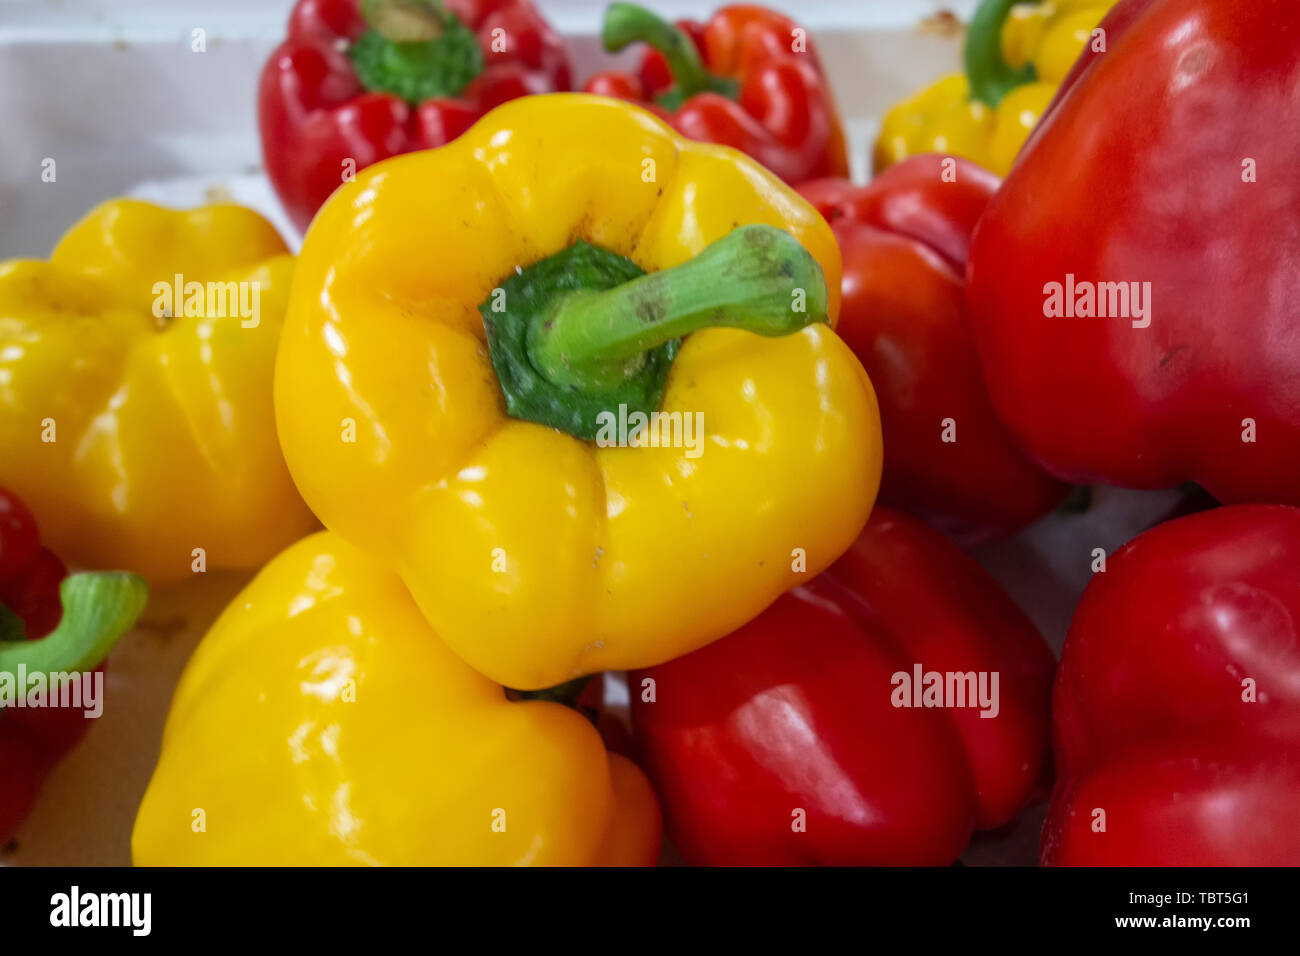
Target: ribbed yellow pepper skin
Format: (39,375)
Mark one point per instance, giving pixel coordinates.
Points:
(321,722)
(536,556)
(942,118)
(163,431)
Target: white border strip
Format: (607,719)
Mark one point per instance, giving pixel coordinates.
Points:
(157,21)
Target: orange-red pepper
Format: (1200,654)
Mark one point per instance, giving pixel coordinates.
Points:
(748,78)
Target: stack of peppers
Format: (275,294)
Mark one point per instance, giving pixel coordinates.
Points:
(456,386)
(581,260)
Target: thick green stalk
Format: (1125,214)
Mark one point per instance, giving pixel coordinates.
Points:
(991,77)
(98,609)
(756,278)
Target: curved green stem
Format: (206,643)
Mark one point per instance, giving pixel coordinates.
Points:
(756,278)
(98,608)
(991,77)
(627,23)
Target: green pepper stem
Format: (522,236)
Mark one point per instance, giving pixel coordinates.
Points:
(756,278)
(990,76)
(627,23)
(98,608)
(404,21)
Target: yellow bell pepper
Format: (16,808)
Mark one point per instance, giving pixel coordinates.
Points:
(137,423)
(1016,55)
(321,722)
(448,355)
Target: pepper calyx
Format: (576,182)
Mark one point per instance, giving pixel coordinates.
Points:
(586,334)
(416,50)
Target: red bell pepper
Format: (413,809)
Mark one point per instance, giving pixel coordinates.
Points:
(749,78)
(801,710)
(1154,208)
(362,80)
(904,239)
(1176,711)
(78,619)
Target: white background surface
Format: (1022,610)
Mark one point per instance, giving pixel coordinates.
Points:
(63,20)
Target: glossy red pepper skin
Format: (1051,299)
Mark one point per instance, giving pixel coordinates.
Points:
(784,116)
(793,711)
(31,740)
(1137,173)
(1150,720)
(905,239)
(314,113)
